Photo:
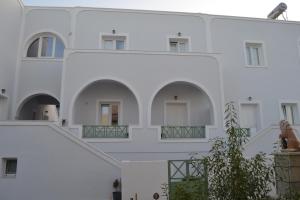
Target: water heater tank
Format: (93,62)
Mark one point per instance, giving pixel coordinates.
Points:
(277,11)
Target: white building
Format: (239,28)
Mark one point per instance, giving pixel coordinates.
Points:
(83,89)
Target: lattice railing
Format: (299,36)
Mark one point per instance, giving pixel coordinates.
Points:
(174,132)
(247,131)
(189,176)
(105,132)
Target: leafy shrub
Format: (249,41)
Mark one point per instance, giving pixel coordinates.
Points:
(232,176)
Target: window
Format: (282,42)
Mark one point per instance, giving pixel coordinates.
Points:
(249,116)
(109,114)
(178,44)
(46,46)
(114,42)
(254,54)
(290,112)
(108,44)
(9,166)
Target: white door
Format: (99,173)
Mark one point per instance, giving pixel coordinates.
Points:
(176,114)
(109,114)
(249,116)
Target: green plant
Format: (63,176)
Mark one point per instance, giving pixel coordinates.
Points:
(181,193)
(191,189)
(187,180)
(292,195)
(232,176)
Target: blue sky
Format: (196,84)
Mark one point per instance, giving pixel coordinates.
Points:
(247,8)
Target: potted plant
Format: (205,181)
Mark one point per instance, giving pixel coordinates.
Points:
(117,195)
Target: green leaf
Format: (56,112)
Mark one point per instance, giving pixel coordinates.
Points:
(231,175)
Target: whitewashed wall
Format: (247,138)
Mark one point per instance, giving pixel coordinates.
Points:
(41,20)
(143,179)
(146,30)
(82,68)
(277,81)
(39,77)
(146,145)
(143,73)
(53,166)
(10,20)
(221,74)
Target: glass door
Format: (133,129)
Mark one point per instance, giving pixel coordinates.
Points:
(109,114)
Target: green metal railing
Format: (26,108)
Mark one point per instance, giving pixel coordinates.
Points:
(247,131)
(182,132)
(188,177)
(105,131)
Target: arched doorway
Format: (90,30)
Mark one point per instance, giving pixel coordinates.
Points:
(39,107)
(183,110)
(106,108)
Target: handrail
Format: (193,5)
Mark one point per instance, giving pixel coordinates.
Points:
(173,132)
(96,131)
(268,130)
(260,134)
(67,134)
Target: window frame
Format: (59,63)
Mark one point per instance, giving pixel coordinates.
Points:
(260,121)
(187,40)
(40,37)
(4,167)
(114,39)
(99,102)
(262,55)
(296,115)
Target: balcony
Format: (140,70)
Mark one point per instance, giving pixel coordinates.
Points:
(182,110)
(105,109)
(100,132)
(182,132)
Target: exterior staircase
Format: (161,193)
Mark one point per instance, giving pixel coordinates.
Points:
(266,140)
(52,163)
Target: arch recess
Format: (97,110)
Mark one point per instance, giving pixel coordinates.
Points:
(45,44)
(193,98)
(86,105)
(38,106)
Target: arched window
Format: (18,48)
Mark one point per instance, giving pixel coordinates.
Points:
(46,46)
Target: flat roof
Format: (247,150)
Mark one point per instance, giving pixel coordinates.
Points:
(158,12)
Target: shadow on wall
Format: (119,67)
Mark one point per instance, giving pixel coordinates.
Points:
(39,107)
